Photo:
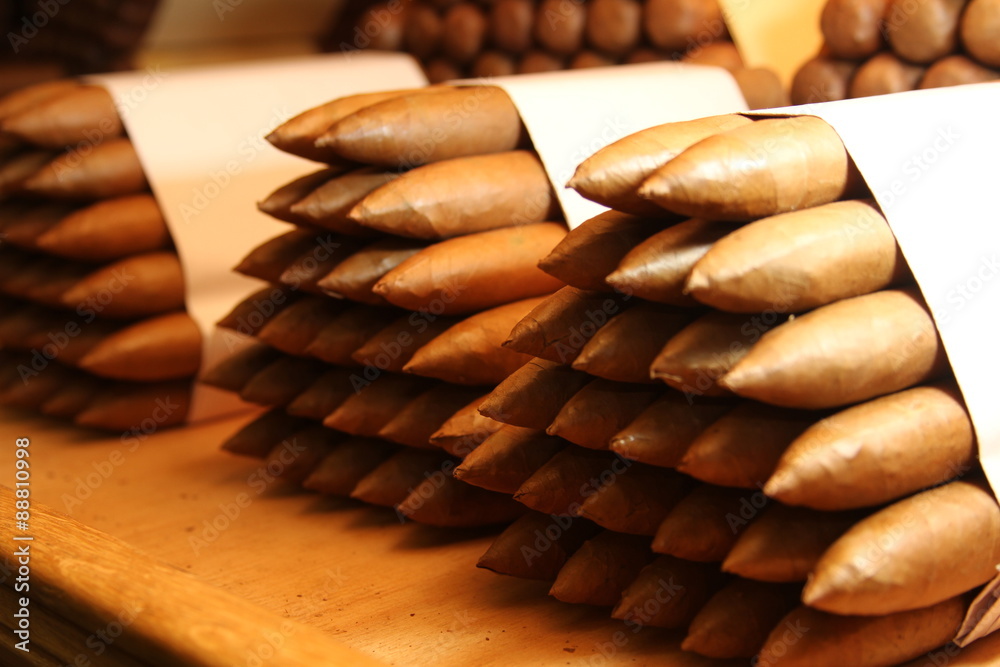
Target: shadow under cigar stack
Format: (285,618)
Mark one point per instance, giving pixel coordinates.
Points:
(92,326)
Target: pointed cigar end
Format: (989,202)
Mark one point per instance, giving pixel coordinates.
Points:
(779,485)
(697,282)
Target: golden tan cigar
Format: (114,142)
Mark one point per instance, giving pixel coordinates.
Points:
(465,431)
(737,620)
(281,381)
(373,406)
(300,452)
(159,348)
(270,259)
(324,395)
(279,203)
(852,29)
(439,70)
(878,451)
(980,23)
(85,115)
(761,87)
(822,79)
(923,31)
(347,332)
(395,478)
(534,62)
(354,277)
(475,272)
(587,59)
(562,484)
(883,74)
(293,328)
(259,436)
(601,569)
(465,27)
(461,196)
(305,271)
(233,372)
(668,593)
(138,409)
(672,25)
(72,398)
(27,97)
(536,546)
(614,26)
(507,458)
(613,174)
(559,26)
(593,416)
(392,348)
(534,394)
(110,169)
(801,260)
(637,502)
(328,204)
(415,423)
(511,23)
(871,345)
(705,524)
(15,171)
(445,502)
(137,286)
(957,70)
(349,461)
(422,31)
(251,314)
(493,63)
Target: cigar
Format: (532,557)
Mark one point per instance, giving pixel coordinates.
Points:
(465,431)
(66,340)
(957,70)
(798,261)
(624,349)
(593,416)
(22,224)
(742,448)
(328,204)
(950,545)
(534,62)
(657,268)
(354,277)
(979,26)
(562,484)
(47,279)
(28,391)
(883,74)
(136,286)
(614,26)
(374,405)
(324,395)
(924,31)
(715,54)
(878,451)
(475,272)
(281,381)
(296,456)
(783,544)
(559,328)
(536,546)
(308,269)
(298,324)
(16,171)
(636,503)
(704,525)
(672,25)
(84,115)
(422,32)
(662,432)
(259,436)
(279,203)
(255,311)
(871,345)
(415,423)
(852,29)
(601,569)
(761,87)
(562,36)
(109,169)
(447,503)
(395,478)
(644,55)
(822,79)
(978,653)
(347,462)
(21,320)
(470,352)
(507,458)
(391,21)
(348,331)
(736,621)
(108,230)
(269,260)
(511,24)
(25,98)
(164,347)
(590,252)
(439,70)
(461,196)
(465,27)
(136,408)
(534,394)
(588,59)
(392,348)
(233,372)
(72,398)
(493,63)
(407,131)
(668,593)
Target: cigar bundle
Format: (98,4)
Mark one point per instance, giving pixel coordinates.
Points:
(88,269)
(875,47)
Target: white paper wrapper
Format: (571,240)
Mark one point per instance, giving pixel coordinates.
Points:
(200,137)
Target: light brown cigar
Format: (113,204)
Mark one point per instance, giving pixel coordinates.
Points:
(373,406)
(588,59)
(562,484)
(931,546)
(392,348)
(159,348)
(462,196)
(348,331)
(347,462)
(715,54)
(761,87)
(324,395)
(108,230)
(422,32)
(110,169)
(259,436)
(852,29)
(85,115)
(279,203)
(883,74)
(657,268)
(663,431)
(511,23)
(636,502)
(296,326)
(493,63)
(590,252)
(624,349)
(797,261)
(395,478)
(536,546)
(412,130)
(508,458)
(871,345)
(355,277)
(25,98)
(440,70)
(233,372)
(668,593)
(923,31)
(783,544)
(736,621)
(23,225)
(68,340)
(979,28)
(956,70)
(299,453)
(470,352)
(559,26)
(878,451)
(474,272)
(643,55)
(305,271)
(614,26)
(704,525)
(534,394)
(137,286)
(423,416)
(465,27)
(15,171)
(445,502)
(559,328)
(980,653)
(328,204)
(613,174)
(673,25)
(822,79)
(534,62)
(600,410)
(30,390)
(138,409)
(249,315)
(805,156)
(281,381)
(601,569)
(269,260)
(464,431)
(70,399)
(828,640)
(742,448)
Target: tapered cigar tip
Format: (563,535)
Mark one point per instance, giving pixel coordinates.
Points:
(274,137)
(778,486)
(663,376)
(617,278)
(382,288)
(659,187)
(459,472)
(693,642)
(696,282)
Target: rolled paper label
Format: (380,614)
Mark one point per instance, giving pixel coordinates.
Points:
(200,137)
(573,114)
(929,158)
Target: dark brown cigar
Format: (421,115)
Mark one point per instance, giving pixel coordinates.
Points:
(668,593)
(22,225)
(567,479)
(536,546)
(269,260)
(392,348)
(233,372)
(601,569)
(506,459)
(279,203)
(328,204)
(305,271)
(534,394)
(324,395)
(374,405)
(260,435)
(705,524)
(395,478)
(281,381)
(348,331)
(295,326)
(637,501)
(414,425)
(255,311)
(299,453)
(600,410)
(349,461)
(355,277)
(464,431)
(71,399)
(441,500)
(138,408)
